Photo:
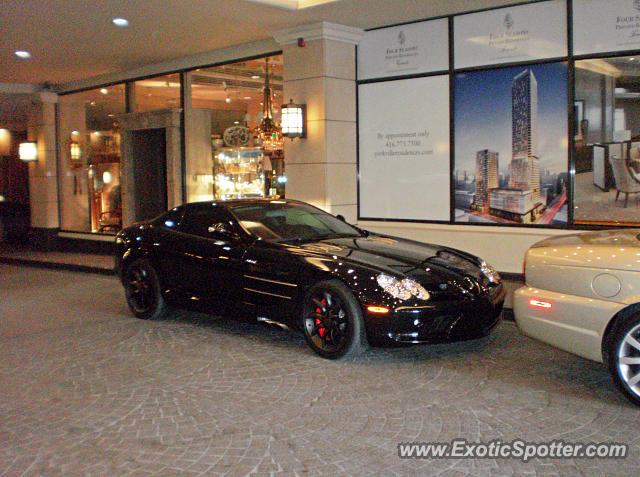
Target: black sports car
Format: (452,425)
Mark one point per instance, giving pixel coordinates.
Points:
(288,262)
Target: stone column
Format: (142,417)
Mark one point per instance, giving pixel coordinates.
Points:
(319,70)
(43,177)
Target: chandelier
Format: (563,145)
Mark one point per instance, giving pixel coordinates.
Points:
(268,133)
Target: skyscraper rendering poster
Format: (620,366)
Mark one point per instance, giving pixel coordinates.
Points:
(511,145)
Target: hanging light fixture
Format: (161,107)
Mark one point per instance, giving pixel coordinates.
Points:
(268,132)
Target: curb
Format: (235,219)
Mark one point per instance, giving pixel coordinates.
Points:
(57,266)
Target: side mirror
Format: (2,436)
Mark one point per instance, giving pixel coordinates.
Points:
(341,217)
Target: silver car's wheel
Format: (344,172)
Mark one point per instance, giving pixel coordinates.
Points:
(629,360)
(623,356)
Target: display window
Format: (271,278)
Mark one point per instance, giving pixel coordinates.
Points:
(488,143)
(607,141)
(158,92)
(408,146)
(233,142)
(89,160)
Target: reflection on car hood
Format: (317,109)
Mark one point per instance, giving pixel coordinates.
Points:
(627,238)
(399,256)
(606,249)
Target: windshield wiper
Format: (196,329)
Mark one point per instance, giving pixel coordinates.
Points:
(296,240)
(315,238)
(337,235)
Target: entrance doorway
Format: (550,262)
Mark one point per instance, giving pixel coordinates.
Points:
(149,159)
(14,188)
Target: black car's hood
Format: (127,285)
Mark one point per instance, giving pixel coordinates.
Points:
(399,256)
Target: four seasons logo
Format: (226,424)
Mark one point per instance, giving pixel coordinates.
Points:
(508,20)
(401,37)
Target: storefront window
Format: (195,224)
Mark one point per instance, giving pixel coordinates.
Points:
(226,156)
(89,160)
(607,141)
(159,92)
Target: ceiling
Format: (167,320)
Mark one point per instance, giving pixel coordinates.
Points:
(72,40)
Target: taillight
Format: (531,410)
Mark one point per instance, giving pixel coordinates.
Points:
(540,303)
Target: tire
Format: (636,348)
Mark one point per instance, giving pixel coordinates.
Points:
(622,354)
(142,290)
(332,321)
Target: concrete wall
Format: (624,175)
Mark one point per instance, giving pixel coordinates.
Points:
(502,247)
(321,168)
(43,176)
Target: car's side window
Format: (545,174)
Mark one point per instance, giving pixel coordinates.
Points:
(201,220)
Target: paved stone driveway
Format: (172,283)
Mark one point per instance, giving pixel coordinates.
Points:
(86,389)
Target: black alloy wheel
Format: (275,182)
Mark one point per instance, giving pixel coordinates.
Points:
(142,289)
(332,321)
(622,355)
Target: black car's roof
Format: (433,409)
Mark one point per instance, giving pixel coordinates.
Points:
(231,203)
(240,202)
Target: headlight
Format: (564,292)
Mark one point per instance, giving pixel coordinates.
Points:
(489,272)
(402,289)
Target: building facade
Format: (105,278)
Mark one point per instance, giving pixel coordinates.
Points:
(486,178)
(524,167)
(77,180)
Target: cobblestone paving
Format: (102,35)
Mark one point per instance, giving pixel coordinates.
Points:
(86,389)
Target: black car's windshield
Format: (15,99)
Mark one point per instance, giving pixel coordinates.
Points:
(286,221)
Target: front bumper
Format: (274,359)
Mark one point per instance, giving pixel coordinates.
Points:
(437,322)
(573,323)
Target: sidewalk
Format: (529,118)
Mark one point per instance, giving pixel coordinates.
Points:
(74,261)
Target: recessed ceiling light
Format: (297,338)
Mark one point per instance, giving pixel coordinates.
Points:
(120,22)
(23,54)
(293,4)
(104,91)
(255,77)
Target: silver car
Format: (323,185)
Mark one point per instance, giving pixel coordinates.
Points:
(582,295)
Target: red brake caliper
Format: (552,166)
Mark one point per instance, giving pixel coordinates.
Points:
(321,331)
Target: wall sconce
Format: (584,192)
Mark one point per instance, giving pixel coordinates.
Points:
(28,151)
(75,151)
(5,142)
(294,120)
